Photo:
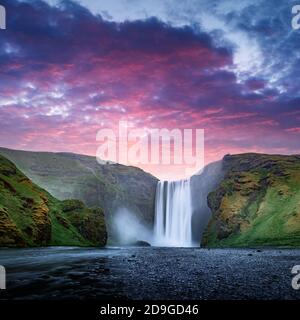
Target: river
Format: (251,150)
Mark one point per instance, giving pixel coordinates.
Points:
(148,273)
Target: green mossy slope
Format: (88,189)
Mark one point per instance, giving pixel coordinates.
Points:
(257,203)
(106,185)
(30,216)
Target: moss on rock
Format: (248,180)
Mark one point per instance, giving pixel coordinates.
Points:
(30,216)
(257,203)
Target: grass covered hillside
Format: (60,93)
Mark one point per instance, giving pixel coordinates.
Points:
(73,176)
(30,216)
(257,203)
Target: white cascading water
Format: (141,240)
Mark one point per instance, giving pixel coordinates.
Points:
(173,214)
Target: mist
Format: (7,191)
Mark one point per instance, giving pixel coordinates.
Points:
(129,229)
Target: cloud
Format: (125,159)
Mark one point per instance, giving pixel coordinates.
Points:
(66,72)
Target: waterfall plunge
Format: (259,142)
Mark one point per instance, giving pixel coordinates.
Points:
(173,214)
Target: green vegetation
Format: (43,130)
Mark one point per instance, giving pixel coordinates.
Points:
(108,185)
(30,216)
(257,203)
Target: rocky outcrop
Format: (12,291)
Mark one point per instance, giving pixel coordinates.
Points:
(30,216)
(202,184)
(108,185)
(88,221)
(256,203)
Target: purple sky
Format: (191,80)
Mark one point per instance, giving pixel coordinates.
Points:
(69,69)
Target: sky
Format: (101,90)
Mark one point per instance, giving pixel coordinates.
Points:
(232,68)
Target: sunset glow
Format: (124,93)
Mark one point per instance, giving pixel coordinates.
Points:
(70,69)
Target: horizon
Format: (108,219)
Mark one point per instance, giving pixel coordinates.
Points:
(139,167)
(71,69)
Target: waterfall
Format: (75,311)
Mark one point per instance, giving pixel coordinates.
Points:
(173,214)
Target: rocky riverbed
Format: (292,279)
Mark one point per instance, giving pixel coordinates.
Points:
(148,273)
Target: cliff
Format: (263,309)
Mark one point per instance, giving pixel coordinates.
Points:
(106,185)
(30,216)
(257,203)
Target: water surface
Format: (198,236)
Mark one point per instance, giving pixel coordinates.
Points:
(148,273)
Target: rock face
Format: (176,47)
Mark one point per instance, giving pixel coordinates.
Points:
(201,185)
(73,176)
(257,203)
(30,216)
